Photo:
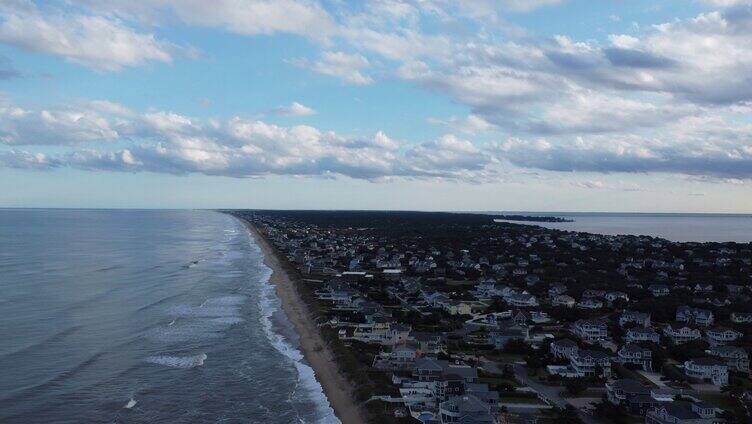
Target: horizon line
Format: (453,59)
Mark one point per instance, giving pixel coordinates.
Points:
(488,212)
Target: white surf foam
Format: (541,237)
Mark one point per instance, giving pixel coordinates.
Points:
(178,361)
(225,306)
(269,304)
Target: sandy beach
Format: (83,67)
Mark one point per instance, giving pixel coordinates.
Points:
(318,355)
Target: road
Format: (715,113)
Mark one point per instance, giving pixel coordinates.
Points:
(551,393)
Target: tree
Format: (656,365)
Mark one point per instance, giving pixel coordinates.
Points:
(568,415)
(610,412)
(575,386)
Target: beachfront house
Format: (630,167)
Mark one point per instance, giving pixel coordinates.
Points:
(385,334)
(466,409)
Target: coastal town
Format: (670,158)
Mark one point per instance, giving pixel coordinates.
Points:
(457,318)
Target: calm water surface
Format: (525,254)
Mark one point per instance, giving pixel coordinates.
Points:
(675,227)
(143,317)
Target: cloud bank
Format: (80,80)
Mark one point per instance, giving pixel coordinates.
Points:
(106,136)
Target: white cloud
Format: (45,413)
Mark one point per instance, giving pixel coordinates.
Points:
(60,126)
(528,5)
(167,142)
(254,17)
(347,67)
(710,147)
(94,41)
(600,185)
(727,3)
(20,159)
(471,124)
(295,109)
(246,17)
(590,111)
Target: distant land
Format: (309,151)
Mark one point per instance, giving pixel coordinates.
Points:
(531,218)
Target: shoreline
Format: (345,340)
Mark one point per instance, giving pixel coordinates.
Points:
(317,354)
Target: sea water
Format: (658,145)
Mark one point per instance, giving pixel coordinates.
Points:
(144,317)
(671,226)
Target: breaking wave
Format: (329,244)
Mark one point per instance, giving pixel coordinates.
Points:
(178,361)
(270,304)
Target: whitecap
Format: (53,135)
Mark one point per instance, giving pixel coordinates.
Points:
(178,361)
(131,403)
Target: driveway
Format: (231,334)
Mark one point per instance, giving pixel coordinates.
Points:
(551,393)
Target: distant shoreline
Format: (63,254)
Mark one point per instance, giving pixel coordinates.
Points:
(337,388)
(531,218)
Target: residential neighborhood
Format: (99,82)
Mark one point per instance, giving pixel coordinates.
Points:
(455,318)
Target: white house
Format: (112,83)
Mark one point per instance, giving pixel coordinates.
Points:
(639,318)
(590,303)
(681,413)
(735,357)
(637,355)
(521,300)
(694,315)
(741,317)
(614,295)
(587,363)
(721,336)
(563,300)
(563,348)
(401,358)
(590,330)
(681,333)
(466,408)
(659,290)
(707,369)
(385,334)
(639,334)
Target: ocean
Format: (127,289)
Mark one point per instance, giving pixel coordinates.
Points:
(670,226)
(144,317)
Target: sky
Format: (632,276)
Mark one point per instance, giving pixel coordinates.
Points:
(514,105)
